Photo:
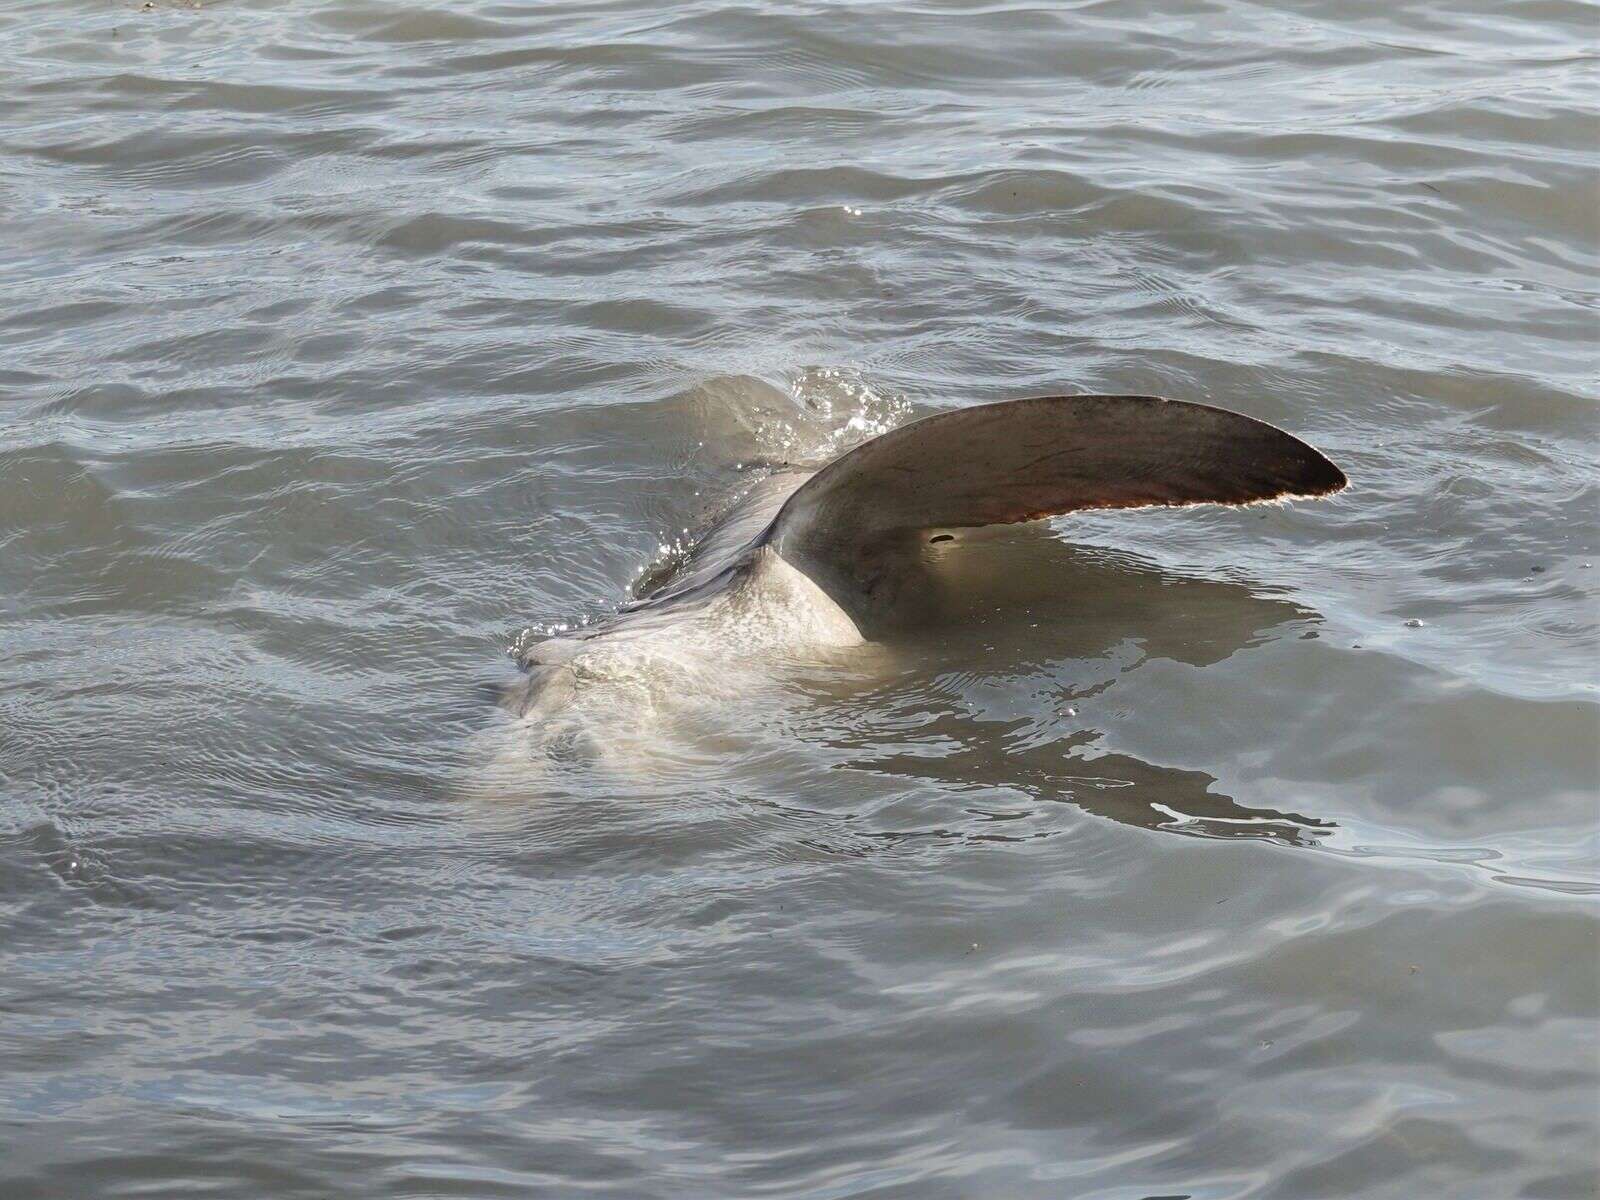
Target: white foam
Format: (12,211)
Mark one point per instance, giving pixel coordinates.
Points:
(643,694)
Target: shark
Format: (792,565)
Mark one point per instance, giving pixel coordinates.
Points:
(815,562)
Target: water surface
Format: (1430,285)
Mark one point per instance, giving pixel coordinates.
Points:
(350,345)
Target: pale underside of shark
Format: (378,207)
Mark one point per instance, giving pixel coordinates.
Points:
(813,562)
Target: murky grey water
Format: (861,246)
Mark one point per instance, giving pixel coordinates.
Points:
(346,344)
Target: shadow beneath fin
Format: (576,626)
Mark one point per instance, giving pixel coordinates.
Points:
(1026,625)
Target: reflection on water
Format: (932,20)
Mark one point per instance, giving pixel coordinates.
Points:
(1120,789)
(1030,627)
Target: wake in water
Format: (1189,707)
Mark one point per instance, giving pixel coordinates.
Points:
(669,692)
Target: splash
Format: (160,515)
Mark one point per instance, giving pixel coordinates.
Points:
(802,421)
(843,410)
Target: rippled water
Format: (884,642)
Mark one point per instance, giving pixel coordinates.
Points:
(350,345)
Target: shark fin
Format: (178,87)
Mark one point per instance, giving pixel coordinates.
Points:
(1020,460)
